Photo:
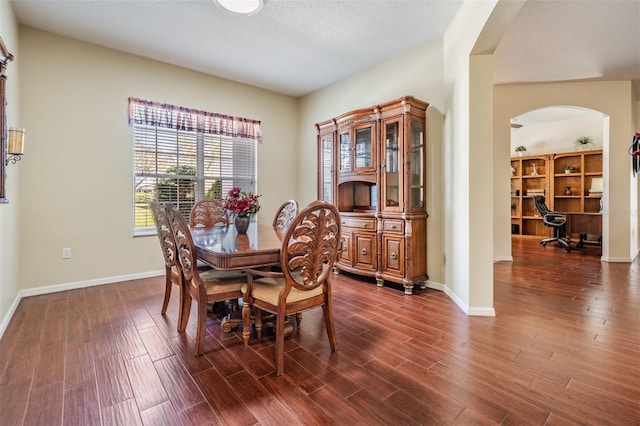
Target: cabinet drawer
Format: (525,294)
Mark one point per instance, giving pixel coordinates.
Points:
(345,255)
(393,259)
(364,223)
(393,225)
(364,244)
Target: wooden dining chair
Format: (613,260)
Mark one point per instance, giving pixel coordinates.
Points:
(309,251)
(207,213)
(173,275)
(285,214)
(281,221)
(203,287)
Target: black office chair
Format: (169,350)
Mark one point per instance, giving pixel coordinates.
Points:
(555,220)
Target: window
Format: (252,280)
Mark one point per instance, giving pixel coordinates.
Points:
(183,155)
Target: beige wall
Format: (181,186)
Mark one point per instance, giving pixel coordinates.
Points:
(616,100)
(9,213)
(468,159)
(76,179)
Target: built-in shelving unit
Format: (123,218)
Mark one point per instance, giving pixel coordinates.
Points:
(529,178)
(570,182)
(573,180)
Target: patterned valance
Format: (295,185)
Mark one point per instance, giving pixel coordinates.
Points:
(181,118)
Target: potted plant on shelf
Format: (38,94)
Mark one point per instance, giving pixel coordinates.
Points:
(584,142)
(569,169)
(521,150)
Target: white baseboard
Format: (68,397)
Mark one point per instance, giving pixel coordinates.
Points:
(70,286)
(10,312)
(473,311)
(502,259)
(616,259)
(482,312)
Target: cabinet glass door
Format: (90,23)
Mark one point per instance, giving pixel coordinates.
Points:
(345,152)
(327,166)
(391,165)
(364,155)
(416,171)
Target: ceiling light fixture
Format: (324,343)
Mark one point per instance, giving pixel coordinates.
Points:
(241,7)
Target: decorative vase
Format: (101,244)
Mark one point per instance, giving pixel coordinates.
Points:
(242,223)
(535,170)
(568,191)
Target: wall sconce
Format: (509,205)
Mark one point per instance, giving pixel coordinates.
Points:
(16,145)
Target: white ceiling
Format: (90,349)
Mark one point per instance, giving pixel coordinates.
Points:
(295,47)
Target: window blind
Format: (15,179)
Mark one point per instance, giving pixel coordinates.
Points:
(181,164)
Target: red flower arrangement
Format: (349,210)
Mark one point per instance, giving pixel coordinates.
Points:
(241,203)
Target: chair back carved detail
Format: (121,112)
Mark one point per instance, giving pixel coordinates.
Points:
(310,247)
(185,251)
(163,228)
(285,214)
(208,213)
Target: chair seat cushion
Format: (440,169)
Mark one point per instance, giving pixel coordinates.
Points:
(268,290)
(223,281)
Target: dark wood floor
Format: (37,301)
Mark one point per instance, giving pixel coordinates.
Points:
(563,349)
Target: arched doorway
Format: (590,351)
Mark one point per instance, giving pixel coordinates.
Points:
(553,132)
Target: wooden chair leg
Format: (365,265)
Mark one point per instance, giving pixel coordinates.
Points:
(167,292)
(246,321)
(185,310)
(202,327)
(280,345)
(258,315)
(298,319)
(180,311)
(328,322)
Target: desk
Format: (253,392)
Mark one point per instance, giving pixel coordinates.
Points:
(224,249)
(583,224)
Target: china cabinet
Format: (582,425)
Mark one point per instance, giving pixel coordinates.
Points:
(379,186)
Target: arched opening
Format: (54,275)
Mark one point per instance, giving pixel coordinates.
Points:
(546,136)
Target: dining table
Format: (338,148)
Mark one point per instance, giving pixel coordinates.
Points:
(224,249)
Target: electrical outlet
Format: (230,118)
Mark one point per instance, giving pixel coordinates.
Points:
(66,253)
